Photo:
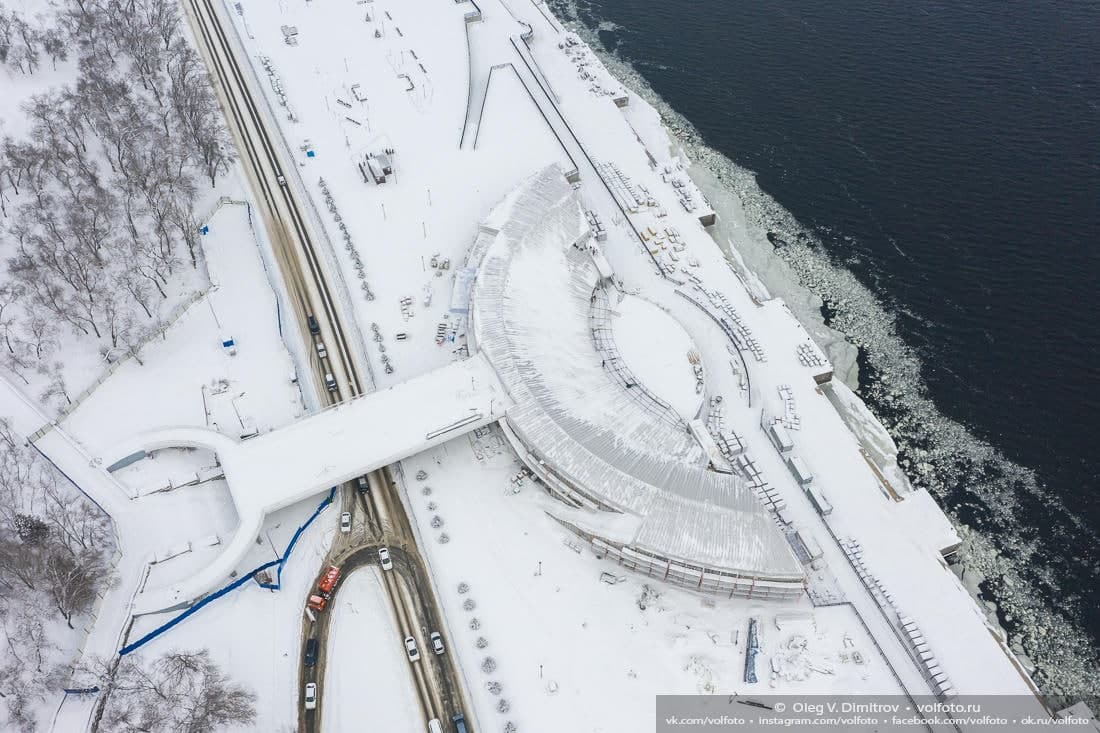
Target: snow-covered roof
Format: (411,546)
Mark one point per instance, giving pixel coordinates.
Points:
(531,306)
(283,466)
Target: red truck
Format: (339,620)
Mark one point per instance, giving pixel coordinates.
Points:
(328,581)
(325,586)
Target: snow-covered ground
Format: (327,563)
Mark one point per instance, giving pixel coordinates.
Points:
(578,651)
(650,209)
(252,633)
(366,671)
(638,325)
(189,378)
(79,358)
(574,641)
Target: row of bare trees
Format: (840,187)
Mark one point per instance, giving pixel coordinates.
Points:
(181,691)
(54,550)
(97,200)
(24,43)
(54,564)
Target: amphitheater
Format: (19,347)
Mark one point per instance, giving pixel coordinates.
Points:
(600,413)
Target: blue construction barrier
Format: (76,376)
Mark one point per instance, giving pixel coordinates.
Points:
(294,540)
(80,690)
(236,583)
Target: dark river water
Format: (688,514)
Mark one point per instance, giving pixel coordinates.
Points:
(947,154)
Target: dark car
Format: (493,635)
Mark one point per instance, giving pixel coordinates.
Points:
(311,652)
(459,723)
(314,327)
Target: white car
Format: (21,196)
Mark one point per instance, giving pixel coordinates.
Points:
(411,650)
(345,522)
(384,558)
(311,695)
(281,179)
(437,642)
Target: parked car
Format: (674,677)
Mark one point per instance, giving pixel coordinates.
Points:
(311,695)
(384,558)
(345,522)
(411,650)
(459,723)
(311,653)
(437,642)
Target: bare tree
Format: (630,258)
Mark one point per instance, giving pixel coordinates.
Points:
(26,671)
(22,564)
(74,581)
(95,247)
(181,691)
(41,336)
(19,43)
(54,44)
(78,524)
(197,113)
(52,539)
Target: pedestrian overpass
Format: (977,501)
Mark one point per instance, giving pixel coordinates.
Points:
(284,466)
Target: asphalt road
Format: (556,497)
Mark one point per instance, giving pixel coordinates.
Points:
(289,231)
(381,520)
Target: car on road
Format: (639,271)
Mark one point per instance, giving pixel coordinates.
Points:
(314,327)
(434,726)
(437,642)
(411,650)
(330,383)
(384,558)
(316,602)
(311,695)
(311,653)
(345,522)
(281,179)
(459,723)
(364,485)
(322,352)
